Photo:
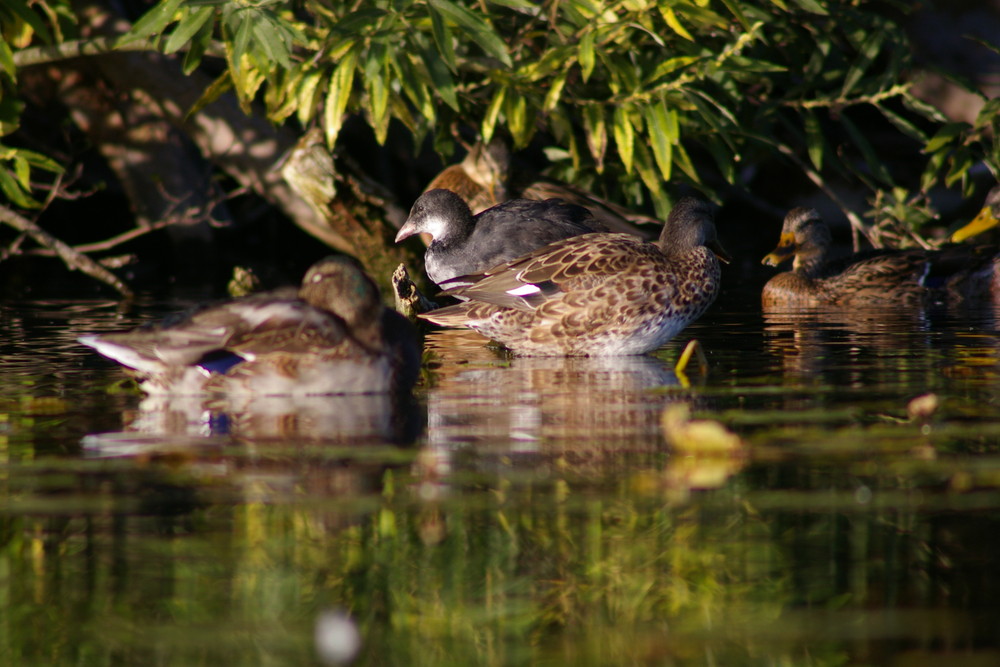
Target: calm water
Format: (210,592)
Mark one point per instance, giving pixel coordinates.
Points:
(519,510)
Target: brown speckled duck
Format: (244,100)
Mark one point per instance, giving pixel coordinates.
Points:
(332,335)
(597,294)
(909,276)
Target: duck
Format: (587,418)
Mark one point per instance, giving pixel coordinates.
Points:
(988,218)
(331,335)
(597,294)
(908,277)
(486,176)
(464,243)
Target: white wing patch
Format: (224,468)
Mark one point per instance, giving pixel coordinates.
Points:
(525,290)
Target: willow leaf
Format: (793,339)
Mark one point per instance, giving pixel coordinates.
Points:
(556,87)
(647,171)
(493,113)
(198,45)
(270,39)
(624,133)
(662,135)
(26,14)
(443,39)
(305,95)
(475,28)
(444,84)
(152,22)
(7,60)
(673,23)
(585,55)
(40,161)
(516,111)
(813,6)
(961,163)
(868,52)
(338,95)
(192,22)
(946,135)
(597,133)
(815,143)
(14,193)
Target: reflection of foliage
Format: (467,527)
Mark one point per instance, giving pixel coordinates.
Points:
(636,93)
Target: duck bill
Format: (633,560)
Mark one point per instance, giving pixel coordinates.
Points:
(985,220)
(784,251)
(405,232)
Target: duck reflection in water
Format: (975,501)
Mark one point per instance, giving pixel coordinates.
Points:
(324,361)
(580,406)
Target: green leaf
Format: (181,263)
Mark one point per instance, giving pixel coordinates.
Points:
(903,124)
(867,54)
(624,133)
(493,113)
(585,56)
(7,60)
(444,84)
(415,86)
(152,22)
(961,163)
(306,95)
(26,14)
(244,28)
(377,83)
(934,164)
(662,135)
(222,84)
(22,172)
(475,28)
(683,160)
(671,18)
(735,10)
(556,86)
(516,111)
(649,175)
(198,45)
(271,40)
(815,142)
(813,6)
(597,133)
(670,65)
(989,114)
(443,38)
(40,161)
(14,193)
(946,135)
(338,95)
(192,22)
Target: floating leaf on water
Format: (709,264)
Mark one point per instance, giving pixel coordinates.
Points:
(697,436)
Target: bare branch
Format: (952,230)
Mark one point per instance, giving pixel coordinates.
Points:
(74,260)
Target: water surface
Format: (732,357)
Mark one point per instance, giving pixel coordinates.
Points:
(517,510)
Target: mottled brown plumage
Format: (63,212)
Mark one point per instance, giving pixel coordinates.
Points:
(330,336)
(595,294)
(910,276)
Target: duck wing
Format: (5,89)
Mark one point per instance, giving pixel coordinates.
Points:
(552,272)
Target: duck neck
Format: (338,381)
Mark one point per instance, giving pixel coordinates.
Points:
(810,260)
